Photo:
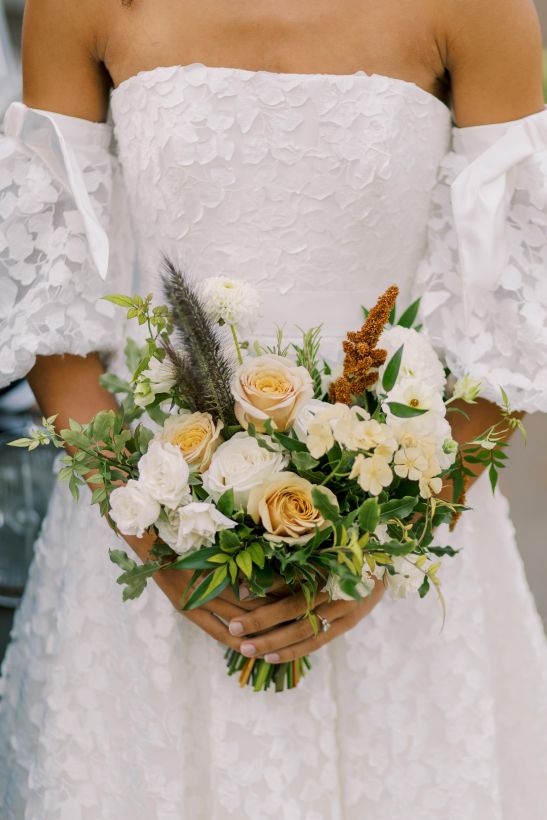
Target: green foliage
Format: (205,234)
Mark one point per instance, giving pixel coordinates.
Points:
(410,315)
(308,356)
(392,370)
(403,411)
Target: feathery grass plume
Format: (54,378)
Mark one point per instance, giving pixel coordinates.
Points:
(362,357)
(203,369)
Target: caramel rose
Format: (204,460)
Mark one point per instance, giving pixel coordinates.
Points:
(270,387)
(284,506)
(195,434)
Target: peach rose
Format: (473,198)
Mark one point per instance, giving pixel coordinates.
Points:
(195,434)
(270,387)
(284,506)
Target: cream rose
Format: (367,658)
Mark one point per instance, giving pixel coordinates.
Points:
(241,464)
(270,387)
(132,509)
(195,434)
(285,508)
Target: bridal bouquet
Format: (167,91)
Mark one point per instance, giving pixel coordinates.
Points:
(257,462)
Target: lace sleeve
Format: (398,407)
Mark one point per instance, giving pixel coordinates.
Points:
(483,277)
(65,239)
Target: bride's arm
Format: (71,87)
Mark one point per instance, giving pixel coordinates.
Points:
(62,72)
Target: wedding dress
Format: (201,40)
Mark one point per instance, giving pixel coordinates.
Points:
(321,190)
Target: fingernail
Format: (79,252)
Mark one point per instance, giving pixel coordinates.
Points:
(244,592)
(247,649)
(272,657)
(236,628)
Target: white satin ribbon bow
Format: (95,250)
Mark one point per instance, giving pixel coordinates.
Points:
(41,133)
(481,195)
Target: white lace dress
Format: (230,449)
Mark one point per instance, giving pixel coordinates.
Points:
(321,190)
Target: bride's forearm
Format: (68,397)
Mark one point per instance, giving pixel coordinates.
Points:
(69,386)
(481,416)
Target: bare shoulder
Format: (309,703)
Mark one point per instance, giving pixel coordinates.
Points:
(62,65)
(494,56)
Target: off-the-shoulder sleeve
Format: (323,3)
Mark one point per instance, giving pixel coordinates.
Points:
(65,238)
(483,277)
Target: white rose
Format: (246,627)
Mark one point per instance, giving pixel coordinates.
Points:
(132,509)
(419,360)
(408,578)
(231,301)
(241,464)
(195,434)
(192,526)
(163,472)
(270,387)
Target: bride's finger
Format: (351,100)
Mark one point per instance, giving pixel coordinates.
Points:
(294,632)
(309,645)
(270,615)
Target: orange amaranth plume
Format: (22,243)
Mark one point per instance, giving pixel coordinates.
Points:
(363,358)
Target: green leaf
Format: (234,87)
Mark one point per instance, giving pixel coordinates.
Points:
(304,461)
(245,563)
(114,384)
(220,558)
(228,540)
(328,510)
(392,315)
(409,316)
(256,551)
(369,515)
(289,443)
(73,486)
(232,566)
(493,476)
(76,439)
(119,299)
(403,411)
(133,354)
(21,442)
(424,588)
(103,424)
(209,588)
(226,503)
(397,508)
(199,559)
(122,559)
(392,370)
(440,551)
(397,548)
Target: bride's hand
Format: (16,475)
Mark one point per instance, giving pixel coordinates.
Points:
(210,616)
(278,637)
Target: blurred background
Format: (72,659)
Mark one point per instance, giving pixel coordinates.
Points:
(25,482)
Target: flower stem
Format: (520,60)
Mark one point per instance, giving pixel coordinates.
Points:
(236,343)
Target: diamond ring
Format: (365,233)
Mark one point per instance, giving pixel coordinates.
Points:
(325,623)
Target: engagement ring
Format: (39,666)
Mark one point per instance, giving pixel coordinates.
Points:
(325,623)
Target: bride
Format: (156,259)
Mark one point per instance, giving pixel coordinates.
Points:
(321,151)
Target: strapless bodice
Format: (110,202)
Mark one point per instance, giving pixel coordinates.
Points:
(315,187)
